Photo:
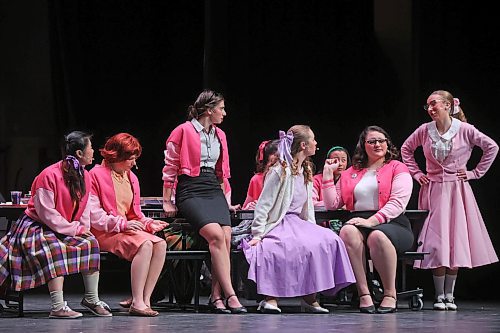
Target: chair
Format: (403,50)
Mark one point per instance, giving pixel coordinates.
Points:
(414,296)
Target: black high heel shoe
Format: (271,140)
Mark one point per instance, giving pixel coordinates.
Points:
(238,310)
(367,309)
(388,309)
(214,309)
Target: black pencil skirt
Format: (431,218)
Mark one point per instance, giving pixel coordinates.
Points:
(201,200)
(397,230)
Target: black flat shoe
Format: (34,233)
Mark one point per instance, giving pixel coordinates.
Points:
(238,310)
(388,309)
(367,309)
(215,309)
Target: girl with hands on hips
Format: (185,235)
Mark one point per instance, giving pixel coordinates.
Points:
(454,232)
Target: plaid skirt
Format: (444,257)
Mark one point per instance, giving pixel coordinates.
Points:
(31,254)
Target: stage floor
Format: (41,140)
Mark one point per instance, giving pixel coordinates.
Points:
(473,316)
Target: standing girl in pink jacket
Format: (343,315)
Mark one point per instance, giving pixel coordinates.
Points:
(454,232)
(196,155)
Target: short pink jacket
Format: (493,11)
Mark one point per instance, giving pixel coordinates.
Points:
(187,140)
(104,212)
(51,203)
(393,196)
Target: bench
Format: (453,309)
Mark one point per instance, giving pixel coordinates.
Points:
(14,301)
(183,256)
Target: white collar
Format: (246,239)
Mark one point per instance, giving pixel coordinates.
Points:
(450,133)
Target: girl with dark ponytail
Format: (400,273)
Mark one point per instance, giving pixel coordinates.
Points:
(57,225)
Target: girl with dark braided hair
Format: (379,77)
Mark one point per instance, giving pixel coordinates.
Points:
(52,238)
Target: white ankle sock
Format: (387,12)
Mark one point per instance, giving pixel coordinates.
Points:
(439,286)
(57,300)
(91,282)
(449,285)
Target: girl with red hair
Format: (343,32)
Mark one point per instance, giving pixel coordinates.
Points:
(119,224)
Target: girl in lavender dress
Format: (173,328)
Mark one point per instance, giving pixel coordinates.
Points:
(289,255)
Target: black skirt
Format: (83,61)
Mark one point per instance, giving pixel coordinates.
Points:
(398,230)
(201,201)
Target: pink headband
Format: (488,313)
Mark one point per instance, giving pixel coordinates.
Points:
(456,103)
(261,150)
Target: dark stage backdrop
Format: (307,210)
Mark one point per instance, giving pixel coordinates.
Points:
(135,66)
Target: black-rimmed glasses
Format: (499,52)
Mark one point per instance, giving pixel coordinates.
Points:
(373,142)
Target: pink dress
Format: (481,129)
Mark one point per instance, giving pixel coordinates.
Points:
(113,237)
(454,232)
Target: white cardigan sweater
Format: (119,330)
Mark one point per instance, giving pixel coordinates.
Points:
(275,201)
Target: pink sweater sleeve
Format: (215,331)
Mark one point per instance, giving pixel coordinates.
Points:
(316,192)
(253,189)
(332,197)
(103,221)
(402,185)
(46,210)
(490,151)
(172,163)
(408,149)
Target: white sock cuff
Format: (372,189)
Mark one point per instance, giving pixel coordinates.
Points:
(57,300)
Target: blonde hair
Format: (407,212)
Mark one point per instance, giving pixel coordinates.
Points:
(447,96)
(301,133)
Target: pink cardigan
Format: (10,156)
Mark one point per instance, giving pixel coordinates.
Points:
(393,196)
(104,212)
(317,195)
(463,143)
(51,203)
(187,139)
(254,188)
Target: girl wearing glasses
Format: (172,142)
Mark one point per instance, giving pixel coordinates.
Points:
(376,188)
(454,232)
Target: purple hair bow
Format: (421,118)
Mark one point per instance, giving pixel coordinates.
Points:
(75,163)
(285,147)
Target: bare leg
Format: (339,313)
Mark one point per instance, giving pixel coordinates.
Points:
(354,242)
(384,258)
(215,236)
(139,273)
(216,287)
(155,268)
